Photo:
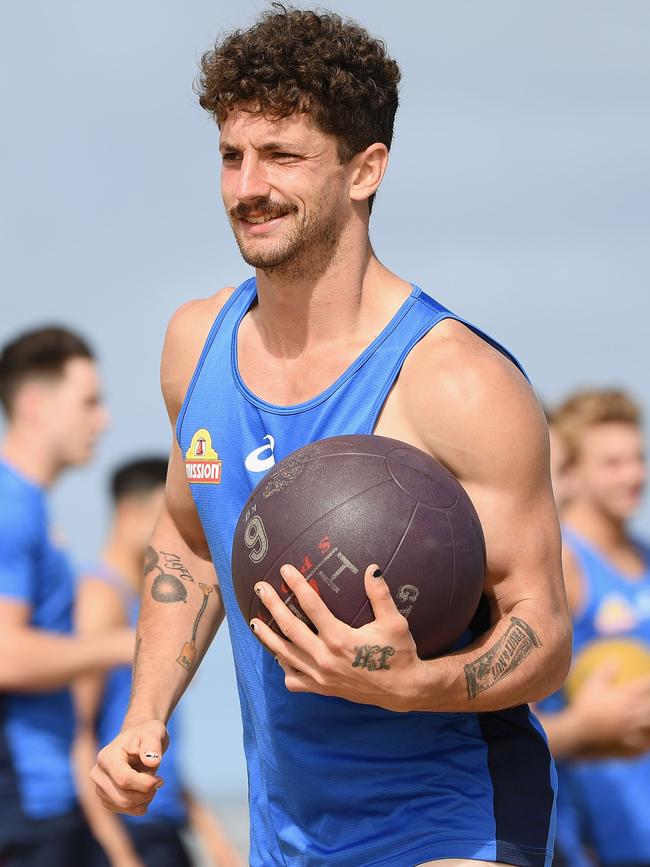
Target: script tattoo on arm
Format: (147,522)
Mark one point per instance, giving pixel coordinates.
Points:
(167,587)
(187,656)
(372,657)
(508,653)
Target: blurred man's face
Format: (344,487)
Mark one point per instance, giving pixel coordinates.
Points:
(72,414)
(559,477)
(610,471)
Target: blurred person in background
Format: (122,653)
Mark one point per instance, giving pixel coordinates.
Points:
(50,393)
(598,464)
(108,597)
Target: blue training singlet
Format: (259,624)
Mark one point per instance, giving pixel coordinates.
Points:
(36,728)
(612,796)
(168,805)
(332,782)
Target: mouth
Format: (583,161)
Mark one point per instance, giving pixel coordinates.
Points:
(261,225)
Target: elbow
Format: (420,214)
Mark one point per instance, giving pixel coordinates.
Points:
(559,651)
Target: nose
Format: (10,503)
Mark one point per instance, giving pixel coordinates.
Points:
(251,180)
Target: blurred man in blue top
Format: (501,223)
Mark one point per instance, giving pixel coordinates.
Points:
(108,597)
(606,717)
(607,573)
(425,760)
(50,392)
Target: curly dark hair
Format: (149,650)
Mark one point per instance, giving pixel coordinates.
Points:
(301,60)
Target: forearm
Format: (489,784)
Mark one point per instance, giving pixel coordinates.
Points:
(522,658)
(180,614)
(106,827)
(33,660)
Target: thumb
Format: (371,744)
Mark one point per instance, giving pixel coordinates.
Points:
(379,594)
(152,747)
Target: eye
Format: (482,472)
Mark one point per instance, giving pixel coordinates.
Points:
(281,155)
(230,156)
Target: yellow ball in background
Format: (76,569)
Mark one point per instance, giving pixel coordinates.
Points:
(631,658)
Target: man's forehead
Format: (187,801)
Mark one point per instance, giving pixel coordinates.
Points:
(243,128)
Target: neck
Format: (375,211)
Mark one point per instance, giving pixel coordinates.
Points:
(301,306)
(595,525)
(25,450)
(124,559)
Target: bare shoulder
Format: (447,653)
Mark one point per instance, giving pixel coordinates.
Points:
(187,332)
(473,408)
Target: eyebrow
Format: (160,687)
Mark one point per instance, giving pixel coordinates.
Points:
(269,146)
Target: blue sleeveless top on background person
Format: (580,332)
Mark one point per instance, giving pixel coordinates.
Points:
(36,728)
(168,805)
(613,795)
(331,781)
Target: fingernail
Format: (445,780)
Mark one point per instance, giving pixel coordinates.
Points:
(253,626)
(151,756)
(259,589)
(377,573)
(160,784)
(285,571)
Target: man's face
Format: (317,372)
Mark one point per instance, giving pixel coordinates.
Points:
(72,413)
(610,471)
(284,189)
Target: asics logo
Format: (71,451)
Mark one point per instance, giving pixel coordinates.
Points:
(256,462)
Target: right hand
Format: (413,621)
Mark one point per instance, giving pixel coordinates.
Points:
(614,718)
(125,774)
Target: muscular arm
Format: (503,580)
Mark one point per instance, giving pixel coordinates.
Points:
(33,660)
(482,420)
(181,602)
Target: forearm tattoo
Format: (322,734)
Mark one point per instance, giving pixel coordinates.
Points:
(508,653)
(372,657)
(187,656)
(167,587)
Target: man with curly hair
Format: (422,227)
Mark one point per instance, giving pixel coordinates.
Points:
(426,760)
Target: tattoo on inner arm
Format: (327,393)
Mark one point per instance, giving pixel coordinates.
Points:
(372,657)
(508,653)
(187,656)
(167,587)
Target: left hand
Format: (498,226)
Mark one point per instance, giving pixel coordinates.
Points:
(375,664)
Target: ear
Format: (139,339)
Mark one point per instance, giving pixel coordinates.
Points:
(30,399)
(369,167)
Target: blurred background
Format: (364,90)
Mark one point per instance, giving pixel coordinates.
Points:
(518,195)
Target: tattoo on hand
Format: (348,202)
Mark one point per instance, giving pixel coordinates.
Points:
(372,657)
(500,660)
(187,656)
(167,587)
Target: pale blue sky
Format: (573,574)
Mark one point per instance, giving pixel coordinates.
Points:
(518,194)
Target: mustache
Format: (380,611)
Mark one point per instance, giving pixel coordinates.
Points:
(266,208)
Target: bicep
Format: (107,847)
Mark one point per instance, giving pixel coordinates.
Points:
(179,515)
(510,486)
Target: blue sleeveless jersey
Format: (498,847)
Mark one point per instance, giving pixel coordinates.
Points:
(168,805)
(330,781)
(36,728)
(612,797)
